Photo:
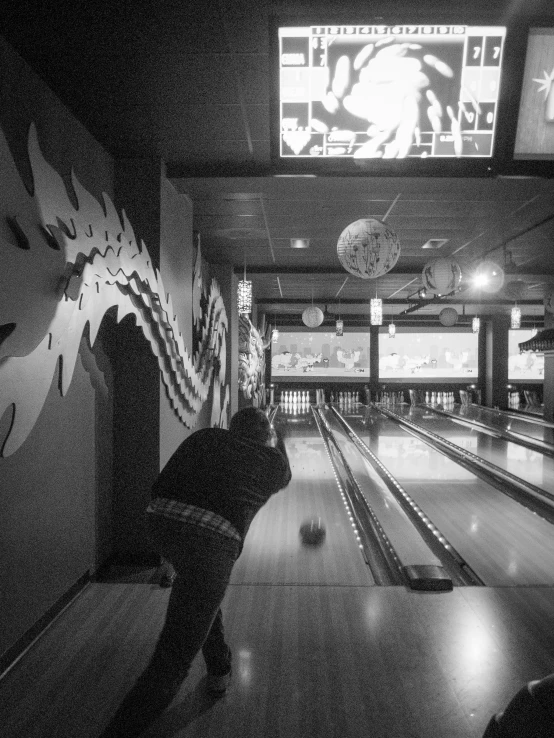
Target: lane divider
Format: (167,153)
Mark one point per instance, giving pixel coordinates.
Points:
(536,499)
(378,551)
(454,563)
(534,444)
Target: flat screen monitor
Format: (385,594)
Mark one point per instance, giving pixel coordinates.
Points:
(428,356)
(535,126)
(313,355)
(528,366)
(412,356)
(389,92)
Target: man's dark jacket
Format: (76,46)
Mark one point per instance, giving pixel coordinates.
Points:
(226,473)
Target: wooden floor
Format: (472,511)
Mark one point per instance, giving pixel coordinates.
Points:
(319,650)
(309,662)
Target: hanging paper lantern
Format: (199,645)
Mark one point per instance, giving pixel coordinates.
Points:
(515,290)
(274,335)
(312,316)
(475,325)
(368,248)
(441,276)
(340,327)
(392,330)
(515,318)
(448,317)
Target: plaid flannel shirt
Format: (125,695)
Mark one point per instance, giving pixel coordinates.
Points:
(193,515)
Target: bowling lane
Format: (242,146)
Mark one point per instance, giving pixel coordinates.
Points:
(403,535)
(527,464)
(506,421)
(273,552)
(503,542)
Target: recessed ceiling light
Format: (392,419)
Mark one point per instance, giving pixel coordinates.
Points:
(299,243)
(435,243)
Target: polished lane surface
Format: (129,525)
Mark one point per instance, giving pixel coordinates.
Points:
(503,542)
(273,552)
(408,544)
(506,421)
(525,463)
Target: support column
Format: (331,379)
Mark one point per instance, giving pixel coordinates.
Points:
(482,361)
(136,426)
(548,385)
(497,361)
(373,361)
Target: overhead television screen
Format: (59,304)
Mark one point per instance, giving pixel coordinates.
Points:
(528,366)
(391,92)
(535,127)
(421,355)
(311,355)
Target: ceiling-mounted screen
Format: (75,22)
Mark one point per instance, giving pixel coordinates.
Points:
(390,92)
(535,126)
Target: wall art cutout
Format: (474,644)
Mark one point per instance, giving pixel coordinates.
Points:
(62,267)
(204,319)
(252,346)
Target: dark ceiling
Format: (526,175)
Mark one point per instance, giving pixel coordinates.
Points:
(190,83)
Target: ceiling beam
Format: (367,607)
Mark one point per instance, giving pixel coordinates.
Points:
(405,273)
(392,301)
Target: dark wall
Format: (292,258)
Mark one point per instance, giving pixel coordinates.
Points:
(176,267)
(74,492)
(48,500)
(55,490)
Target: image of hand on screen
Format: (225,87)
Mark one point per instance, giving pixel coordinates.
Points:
(392,92)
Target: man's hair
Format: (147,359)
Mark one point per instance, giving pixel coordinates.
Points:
(253,423)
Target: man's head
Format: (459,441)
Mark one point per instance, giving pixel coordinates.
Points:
(252,423)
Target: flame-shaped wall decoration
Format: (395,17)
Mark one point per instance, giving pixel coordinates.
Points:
(252,345)
(63,267)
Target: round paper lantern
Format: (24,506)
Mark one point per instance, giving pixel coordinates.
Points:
(312,316)
(441,276)
(368,248)
(516,289)
(448,317)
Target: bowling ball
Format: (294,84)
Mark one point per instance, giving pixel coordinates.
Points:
(312,532)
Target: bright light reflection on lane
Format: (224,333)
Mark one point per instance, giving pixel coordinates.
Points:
(532,466)
(502,541)
(414,459)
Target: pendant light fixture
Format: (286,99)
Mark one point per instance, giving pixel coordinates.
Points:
(339,325)
(274,334)
(376,310)
(244,293)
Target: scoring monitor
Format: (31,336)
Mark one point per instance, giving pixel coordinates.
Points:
(361,92)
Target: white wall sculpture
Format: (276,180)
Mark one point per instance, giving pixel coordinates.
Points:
(252,346)
(62,267)
(207,319)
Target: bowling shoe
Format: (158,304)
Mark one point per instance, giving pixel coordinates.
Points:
(167,579)
(218,685)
